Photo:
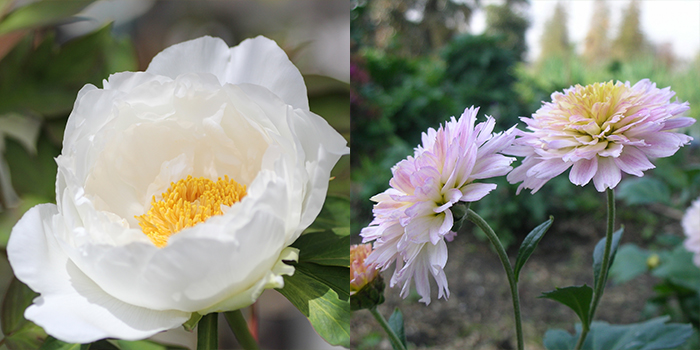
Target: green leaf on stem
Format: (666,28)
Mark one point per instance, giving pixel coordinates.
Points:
(630,262)
(578,298)
(600,250)
(529,244)
(654,334)
(322,294)
(324,248)
(40,14)
(396,325)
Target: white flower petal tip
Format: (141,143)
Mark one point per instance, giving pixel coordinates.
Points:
(599,131)
(179,190)
(414,217)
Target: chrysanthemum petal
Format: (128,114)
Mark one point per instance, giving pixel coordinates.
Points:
(582,171)
(608,175)
(633,161)
(475,191)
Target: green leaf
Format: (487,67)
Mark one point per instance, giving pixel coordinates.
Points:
(41,13)
(332,276)
(334,214)
(10,216)
(643,190)
(578,298)
(28,337)
(678,267)
(22,128)
(396,325)
(52,343)
(630,262)
(33,175)
(324,248)
(321,293)
(44,79)
(654,334)
(17,299)
(600,250)
(529,244)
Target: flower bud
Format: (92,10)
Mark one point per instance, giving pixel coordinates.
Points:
(366,285)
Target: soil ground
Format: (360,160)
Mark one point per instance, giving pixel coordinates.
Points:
(479,314)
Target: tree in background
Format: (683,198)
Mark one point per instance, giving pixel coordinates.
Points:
(417,27)
(508,20)
(630,42)
(597,43)
(555,37)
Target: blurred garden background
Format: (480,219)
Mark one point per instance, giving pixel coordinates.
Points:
(415,63)
(50,49)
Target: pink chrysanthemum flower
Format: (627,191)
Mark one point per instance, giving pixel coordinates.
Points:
(413,218)
(691,227)
(598,131)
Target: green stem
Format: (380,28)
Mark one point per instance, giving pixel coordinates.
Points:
(392,336)
(240,330)
(207,337)
(484,226)
(603,277)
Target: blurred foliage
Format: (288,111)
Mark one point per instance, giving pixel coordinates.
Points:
(506,19)
(677,291)
(410,27)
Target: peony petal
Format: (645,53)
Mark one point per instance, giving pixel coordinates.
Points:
(256,61)
(71,307)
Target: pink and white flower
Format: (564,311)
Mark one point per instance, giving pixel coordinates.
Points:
(599,131)
(691,227)
(413,218)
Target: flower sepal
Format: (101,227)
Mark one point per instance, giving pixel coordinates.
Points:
(369,296)
(459,213)
(192,322)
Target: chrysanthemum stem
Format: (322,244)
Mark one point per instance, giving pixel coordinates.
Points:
(392,336)
(602,278)
(484,226)
(240,329)
(207,335)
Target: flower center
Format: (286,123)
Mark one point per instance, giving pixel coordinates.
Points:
(187,203)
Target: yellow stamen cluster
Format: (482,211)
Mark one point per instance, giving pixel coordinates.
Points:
(187,203)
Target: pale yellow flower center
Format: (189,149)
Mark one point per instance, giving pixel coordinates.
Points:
(186,203)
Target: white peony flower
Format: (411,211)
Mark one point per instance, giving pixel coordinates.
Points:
(691,227)
(142,156)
